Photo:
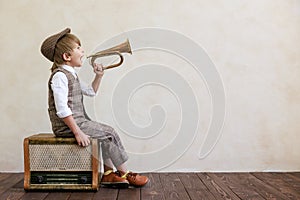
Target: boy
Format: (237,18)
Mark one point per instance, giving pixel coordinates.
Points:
(66,110)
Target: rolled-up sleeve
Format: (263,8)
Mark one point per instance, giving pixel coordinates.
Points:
(59,86)
(87,90)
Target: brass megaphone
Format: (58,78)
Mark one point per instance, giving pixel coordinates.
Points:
(116,50)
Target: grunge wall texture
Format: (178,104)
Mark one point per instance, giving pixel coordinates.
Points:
(253,44)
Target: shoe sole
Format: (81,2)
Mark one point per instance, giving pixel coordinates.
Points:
(139,186)
(115,184)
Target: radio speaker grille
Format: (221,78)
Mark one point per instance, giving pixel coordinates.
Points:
(56,157)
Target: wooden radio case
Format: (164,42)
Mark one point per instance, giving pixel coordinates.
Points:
(52,163)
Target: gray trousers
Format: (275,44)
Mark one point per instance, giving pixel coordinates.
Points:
(111,144)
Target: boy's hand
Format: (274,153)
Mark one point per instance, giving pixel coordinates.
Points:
(82,139)
(98,69)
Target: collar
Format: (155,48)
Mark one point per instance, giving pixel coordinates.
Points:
(70,69)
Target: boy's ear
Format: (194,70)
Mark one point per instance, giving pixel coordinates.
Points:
(66,57)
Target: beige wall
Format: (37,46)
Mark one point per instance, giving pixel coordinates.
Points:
(253,44)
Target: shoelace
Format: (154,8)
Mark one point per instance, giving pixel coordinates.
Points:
(127,174)
(108,172)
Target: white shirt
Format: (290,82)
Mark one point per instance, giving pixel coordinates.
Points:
(59,86)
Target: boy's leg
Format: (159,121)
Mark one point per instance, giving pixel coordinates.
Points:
(112,179)
(111,144)
(113,154)
(108,165)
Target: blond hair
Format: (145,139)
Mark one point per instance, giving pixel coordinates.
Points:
(65,45)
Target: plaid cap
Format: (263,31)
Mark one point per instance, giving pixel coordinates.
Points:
(48,46)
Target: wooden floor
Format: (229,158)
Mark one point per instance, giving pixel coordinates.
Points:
(181,186)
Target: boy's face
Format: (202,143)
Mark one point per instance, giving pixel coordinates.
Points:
(76,56)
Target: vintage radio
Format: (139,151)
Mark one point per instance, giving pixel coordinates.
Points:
(52,163)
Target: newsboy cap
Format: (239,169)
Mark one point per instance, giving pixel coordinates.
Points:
(48,46)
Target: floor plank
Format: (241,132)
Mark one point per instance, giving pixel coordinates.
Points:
(240,187)
(130,193)
(217,187)
(34,195)
(15,192)
(4,176)
(58,196)
(105,193)
(261,187)
(153,189)
(172,186)
(81,195)
(297,174)
(279,184)
(293,176)
(293,182)
(195,187)
(12,194)
(165,186)
(9,181)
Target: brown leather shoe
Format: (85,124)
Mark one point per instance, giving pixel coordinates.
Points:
(134,179)
(111,179)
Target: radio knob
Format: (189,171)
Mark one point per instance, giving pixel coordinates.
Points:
(40,179)
(83,179)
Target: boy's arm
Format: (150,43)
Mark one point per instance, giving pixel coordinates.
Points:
(98,69)
(59,85)
(81,138)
